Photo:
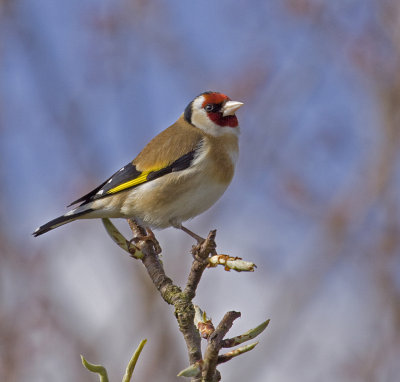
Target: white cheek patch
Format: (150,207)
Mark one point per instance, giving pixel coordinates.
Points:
(201,120)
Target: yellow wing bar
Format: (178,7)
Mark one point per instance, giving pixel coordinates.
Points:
(142,178)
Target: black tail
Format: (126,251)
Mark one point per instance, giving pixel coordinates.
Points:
(61,220)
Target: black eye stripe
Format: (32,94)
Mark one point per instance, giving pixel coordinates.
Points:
(213,107)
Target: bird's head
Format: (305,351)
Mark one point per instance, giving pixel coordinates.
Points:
(214,113)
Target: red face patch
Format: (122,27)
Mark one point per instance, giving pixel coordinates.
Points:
(216,117)
(229,120)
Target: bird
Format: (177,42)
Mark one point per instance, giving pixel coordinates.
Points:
(178,175)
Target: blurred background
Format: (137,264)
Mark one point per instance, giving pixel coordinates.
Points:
(315,201)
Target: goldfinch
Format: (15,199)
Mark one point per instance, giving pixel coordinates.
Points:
(179,174)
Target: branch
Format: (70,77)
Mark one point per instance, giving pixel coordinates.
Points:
(228,262)
(200,254)
(215,344)
(172,294)
(207,331)
(191,320)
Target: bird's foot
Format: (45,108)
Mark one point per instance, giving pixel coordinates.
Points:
(151,238)
(143,234)
(206,248)
(133,248)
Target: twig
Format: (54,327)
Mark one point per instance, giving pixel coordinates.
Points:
(172,294)
(214,346)
(201,253)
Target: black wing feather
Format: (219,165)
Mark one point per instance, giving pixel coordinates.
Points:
(130,172)
(180,164)
(123,175)
(86,198)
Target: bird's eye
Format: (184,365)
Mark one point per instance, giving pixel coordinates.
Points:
(209,107)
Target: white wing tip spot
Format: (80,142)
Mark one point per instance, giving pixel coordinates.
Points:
(110,181)
(100,192)
(69,213)
(122,169)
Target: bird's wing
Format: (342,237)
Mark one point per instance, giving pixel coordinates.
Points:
(151,163)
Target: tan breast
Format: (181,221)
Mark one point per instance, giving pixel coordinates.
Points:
(223,152)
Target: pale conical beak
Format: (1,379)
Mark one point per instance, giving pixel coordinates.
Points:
(230,108)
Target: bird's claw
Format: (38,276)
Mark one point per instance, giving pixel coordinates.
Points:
(205,248)
(149,237)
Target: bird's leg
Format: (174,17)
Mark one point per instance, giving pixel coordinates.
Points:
(192,234)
